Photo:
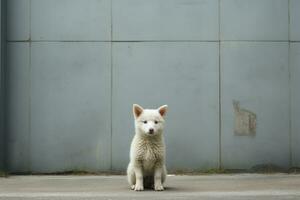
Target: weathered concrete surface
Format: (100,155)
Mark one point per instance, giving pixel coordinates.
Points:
(208,187)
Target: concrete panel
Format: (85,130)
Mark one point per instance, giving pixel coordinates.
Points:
(18,117)
(254,19)
(255,75)
(18,19)
(182,75)
(294,20)
(2,136)
(295,99)
(71,19)
(70,106)
(165,20)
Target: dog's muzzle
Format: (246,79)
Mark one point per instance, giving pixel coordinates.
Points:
(151,131)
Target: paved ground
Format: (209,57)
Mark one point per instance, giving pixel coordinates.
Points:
(208,187)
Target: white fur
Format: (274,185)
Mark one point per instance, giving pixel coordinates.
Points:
(147,152)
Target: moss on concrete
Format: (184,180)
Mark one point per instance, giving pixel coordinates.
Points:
(3,174)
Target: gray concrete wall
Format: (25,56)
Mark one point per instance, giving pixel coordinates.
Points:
(75,68)
(1,107)
(2,64)
(295,79)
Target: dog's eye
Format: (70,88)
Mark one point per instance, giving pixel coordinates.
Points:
(155,122)
(145,122)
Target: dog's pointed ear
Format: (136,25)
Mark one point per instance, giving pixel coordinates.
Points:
(163,110)
(137,110)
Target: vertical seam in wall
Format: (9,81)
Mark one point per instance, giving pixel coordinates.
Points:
(219,70)
(3,37)
(111,82)
(290,92)
(29,92)
(2,148)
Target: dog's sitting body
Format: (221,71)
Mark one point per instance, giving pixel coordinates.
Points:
(147,153)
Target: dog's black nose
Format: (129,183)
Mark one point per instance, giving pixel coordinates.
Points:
(151,130)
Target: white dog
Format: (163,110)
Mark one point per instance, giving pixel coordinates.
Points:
(147,152)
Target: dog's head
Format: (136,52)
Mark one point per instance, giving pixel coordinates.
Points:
(149,121)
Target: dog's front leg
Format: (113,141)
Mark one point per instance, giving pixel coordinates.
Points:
(139,185)
(157,179)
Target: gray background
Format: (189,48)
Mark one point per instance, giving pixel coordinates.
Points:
(3,56)
(1,101)
(75,67)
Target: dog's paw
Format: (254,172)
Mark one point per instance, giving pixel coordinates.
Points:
(132,187)
(159,188)
(138,188)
